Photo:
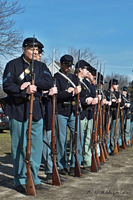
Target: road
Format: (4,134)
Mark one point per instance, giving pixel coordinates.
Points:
(113,182)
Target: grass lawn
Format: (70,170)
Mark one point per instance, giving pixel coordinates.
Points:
(5,142)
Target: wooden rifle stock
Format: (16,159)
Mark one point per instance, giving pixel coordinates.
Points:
(104,141)
(115,143)
(102,157)
(77,166)
(30,187)
(96,131)
(125,126)
(56,177)
(107,129)
(108,122)
(122,130)
(94,166)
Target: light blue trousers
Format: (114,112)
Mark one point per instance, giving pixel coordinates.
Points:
(61,140)
(87,134)
(18,131)
(112,133)
(46,153)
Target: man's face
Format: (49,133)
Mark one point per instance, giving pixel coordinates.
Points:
(82,72)
(124,93)
(115,87)
(66,69)
(39,56)
(28,53)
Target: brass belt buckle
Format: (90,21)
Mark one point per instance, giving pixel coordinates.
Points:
(73,103)
(29,97)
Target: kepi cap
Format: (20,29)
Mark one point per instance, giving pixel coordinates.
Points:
(29,42)
(66,59)
(82,64)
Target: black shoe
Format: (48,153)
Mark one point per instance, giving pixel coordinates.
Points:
(42,187)
(49,176)
(64,171)
(99,168)
(72,171)
(84,171)
(63,178)
(102,163)
(87,168)
(21,188)
(82,163)
(112,154)
(106,159)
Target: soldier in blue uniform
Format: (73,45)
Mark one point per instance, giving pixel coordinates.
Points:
(17,84)
(127,120)
(66,104)
(115,98)
(86,115)
(47,121)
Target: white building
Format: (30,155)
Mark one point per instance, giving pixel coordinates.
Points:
(56,67)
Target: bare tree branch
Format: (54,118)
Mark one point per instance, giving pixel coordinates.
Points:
(10,37)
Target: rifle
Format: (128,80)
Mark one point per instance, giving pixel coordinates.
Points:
(96,131)
(115,144)
(107,129)
(125,126)
(104,141)
(56,177)
(102,157)
(30,187)
(94,165)
(122,130)
(77,166)
(95,123)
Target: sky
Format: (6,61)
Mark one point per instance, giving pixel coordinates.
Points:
(105,26)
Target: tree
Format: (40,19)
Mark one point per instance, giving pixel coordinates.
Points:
(10,37)
(85,54)
(122,79)
(130,90)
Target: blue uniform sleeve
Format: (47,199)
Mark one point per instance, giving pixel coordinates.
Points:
(9,85)
(44,81)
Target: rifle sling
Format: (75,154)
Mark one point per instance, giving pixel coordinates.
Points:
(24,73)
(67,79)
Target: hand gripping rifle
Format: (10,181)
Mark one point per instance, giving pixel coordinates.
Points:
(30,187)
(94,165)
(56,177)
(77,166)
